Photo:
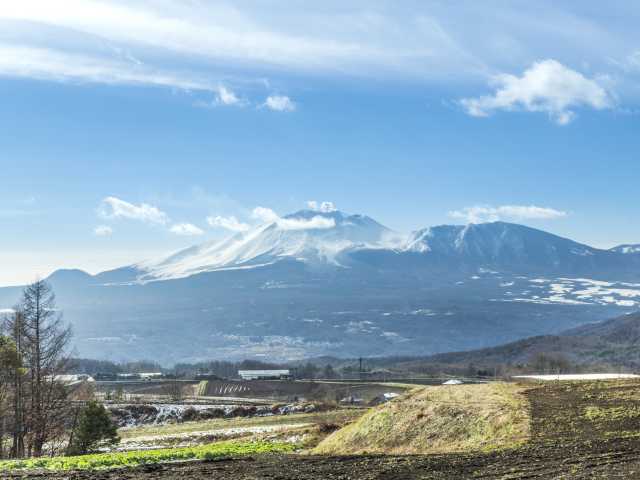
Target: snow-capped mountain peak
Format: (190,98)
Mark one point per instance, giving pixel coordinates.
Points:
(497,243)
(333,238)
(313,237)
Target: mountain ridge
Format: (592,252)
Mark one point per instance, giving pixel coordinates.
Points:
(299,236)
(312,284)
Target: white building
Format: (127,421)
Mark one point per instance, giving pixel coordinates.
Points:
(71,380)
(264,374)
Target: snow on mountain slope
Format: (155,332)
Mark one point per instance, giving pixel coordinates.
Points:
(309,236)
(498,242)
(333,238)
(628,248)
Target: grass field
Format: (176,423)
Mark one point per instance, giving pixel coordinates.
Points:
(456,418)
(129,459)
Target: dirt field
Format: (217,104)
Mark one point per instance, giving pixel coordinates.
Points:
(579,430)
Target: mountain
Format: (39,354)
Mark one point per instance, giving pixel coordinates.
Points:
(329,283)
(512,247)
(315,238)
(611,343)
(335,239)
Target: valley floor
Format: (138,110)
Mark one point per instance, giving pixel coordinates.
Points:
(578,430)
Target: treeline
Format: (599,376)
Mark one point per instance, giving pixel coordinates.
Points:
(34,406)
(219,368)
(223,369)
(90,366)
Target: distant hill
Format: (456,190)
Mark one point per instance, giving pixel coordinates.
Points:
(614,342)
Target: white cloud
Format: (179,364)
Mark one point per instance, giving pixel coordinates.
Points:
(480,214)
(113,208)
(279,103)
(317,222)
(225,96)
(228,223)
(324,207)
(186,229)
(198,45)
(547,86)
(266,215)
(103,231)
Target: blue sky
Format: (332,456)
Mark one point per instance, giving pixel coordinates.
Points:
(129,130)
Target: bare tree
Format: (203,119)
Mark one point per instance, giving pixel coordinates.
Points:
(45,343)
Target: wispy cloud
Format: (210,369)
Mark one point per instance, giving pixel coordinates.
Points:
(228,223)
(266,215)
(225,96)
(186,230)
(279,103)
(547,86)
(103,231)
(481,213)
(198,45)
(221,31)
(50,64)
(115,208)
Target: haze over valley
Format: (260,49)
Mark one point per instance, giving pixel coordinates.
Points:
(317,283)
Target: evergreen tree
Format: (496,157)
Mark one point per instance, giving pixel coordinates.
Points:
(94,428)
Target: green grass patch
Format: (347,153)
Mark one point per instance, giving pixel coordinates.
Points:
(201,389)
(131,459)
(611,414)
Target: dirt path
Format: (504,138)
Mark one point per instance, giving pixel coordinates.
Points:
(579,431)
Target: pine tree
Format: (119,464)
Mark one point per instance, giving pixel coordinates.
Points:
(9,367)
(94,428)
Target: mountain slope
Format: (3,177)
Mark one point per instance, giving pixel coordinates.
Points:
(611,342)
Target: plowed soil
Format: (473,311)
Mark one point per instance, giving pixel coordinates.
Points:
(578,431)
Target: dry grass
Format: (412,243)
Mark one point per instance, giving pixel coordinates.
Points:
(456,418)
(340,417)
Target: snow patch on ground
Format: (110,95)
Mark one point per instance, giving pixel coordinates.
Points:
(574,291)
